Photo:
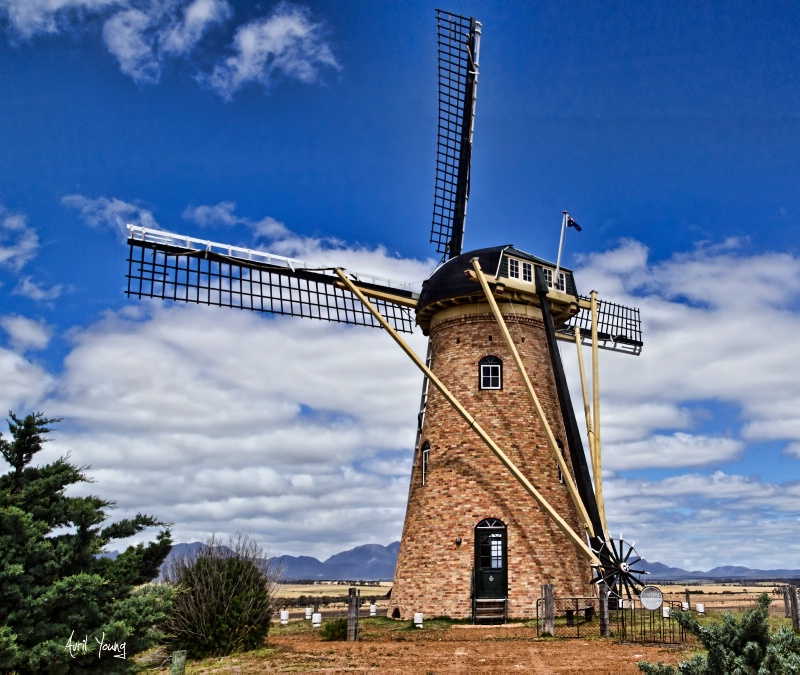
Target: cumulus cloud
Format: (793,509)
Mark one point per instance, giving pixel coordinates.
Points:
(112,213)
(223,214)
(214,419)
(714,326)
(326,252)
(51,16)
(140,39)
(126,38)
(24,333)
(287,43)
(678,449)
(18,242)
(34,290)
(144,34)
(25,384)
(689,520)
(184,34)
(222,421)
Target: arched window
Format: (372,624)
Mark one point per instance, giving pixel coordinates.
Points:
(426,452)
(560,452)
(490,373)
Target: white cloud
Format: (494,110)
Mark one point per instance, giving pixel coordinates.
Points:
(715,327)
(216,419)
(24,333)
(327,252)
(183,35)
(25,383)
(287,42)
(141,38)
(223,214)
(223,421)
(18,242)
(50,16)
(126,36)
(679,449)
(29,288)
(143,35)
(700,521)
(111,213)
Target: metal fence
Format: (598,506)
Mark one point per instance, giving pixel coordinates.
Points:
(574,618)
(634,623)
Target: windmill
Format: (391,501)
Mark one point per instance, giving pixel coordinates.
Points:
(502,498)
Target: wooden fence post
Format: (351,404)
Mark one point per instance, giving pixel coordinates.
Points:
(354,602)
(688,598)
(787,604)
(549,623)
(605,620)
(795,607)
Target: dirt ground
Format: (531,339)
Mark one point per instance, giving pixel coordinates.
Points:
(395,647)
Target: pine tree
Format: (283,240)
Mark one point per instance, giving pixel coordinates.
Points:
(64,608)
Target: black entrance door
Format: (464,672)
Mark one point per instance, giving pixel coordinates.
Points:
(491,568)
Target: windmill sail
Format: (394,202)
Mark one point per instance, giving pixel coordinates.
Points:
(618,327)
(172,267)
(459,45)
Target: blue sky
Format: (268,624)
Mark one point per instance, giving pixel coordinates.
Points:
(670,132)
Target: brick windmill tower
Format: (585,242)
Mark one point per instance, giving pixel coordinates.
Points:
(502,498)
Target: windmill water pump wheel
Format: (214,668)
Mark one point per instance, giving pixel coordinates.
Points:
(502,497)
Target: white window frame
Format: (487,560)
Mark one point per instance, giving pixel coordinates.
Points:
(488,372)
(562,279)
(426,453)
(513,268)
(527,272)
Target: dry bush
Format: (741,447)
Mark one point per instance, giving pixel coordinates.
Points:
(226,598)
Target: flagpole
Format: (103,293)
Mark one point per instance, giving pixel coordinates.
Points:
(560,248)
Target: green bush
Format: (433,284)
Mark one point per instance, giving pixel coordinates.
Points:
(226,597)
(736,647)
(335,629)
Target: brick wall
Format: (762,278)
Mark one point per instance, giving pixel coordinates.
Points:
(465,483)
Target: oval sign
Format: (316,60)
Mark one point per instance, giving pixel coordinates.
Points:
(651,598)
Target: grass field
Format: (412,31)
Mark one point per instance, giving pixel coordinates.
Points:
(329,588)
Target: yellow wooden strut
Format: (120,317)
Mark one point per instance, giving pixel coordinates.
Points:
(526,484)
(596,410)
(565,472)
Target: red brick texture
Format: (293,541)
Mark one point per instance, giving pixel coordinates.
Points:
(465,483)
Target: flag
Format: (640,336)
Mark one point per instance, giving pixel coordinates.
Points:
(572,223)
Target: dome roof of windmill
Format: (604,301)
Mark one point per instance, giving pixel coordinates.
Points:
(449,281)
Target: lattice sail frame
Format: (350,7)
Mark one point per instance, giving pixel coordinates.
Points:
(183,269)
(458,48)
(619,328)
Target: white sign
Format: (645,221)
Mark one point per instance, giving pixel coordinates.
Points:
(651,598)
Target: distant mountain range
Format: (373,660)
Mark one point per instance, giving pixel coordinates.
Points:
(660,572)
(373,562)
(370,562)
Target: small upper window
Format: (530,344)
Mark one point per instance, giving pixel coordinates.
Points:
(491,373)
(562,279)
(527,272)
(513,268)
(426,451)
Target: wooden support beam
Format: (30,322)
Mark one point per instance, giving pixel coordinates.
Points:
(596,410)
(383,295)
(526,484)
(565,472)
(597,474)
